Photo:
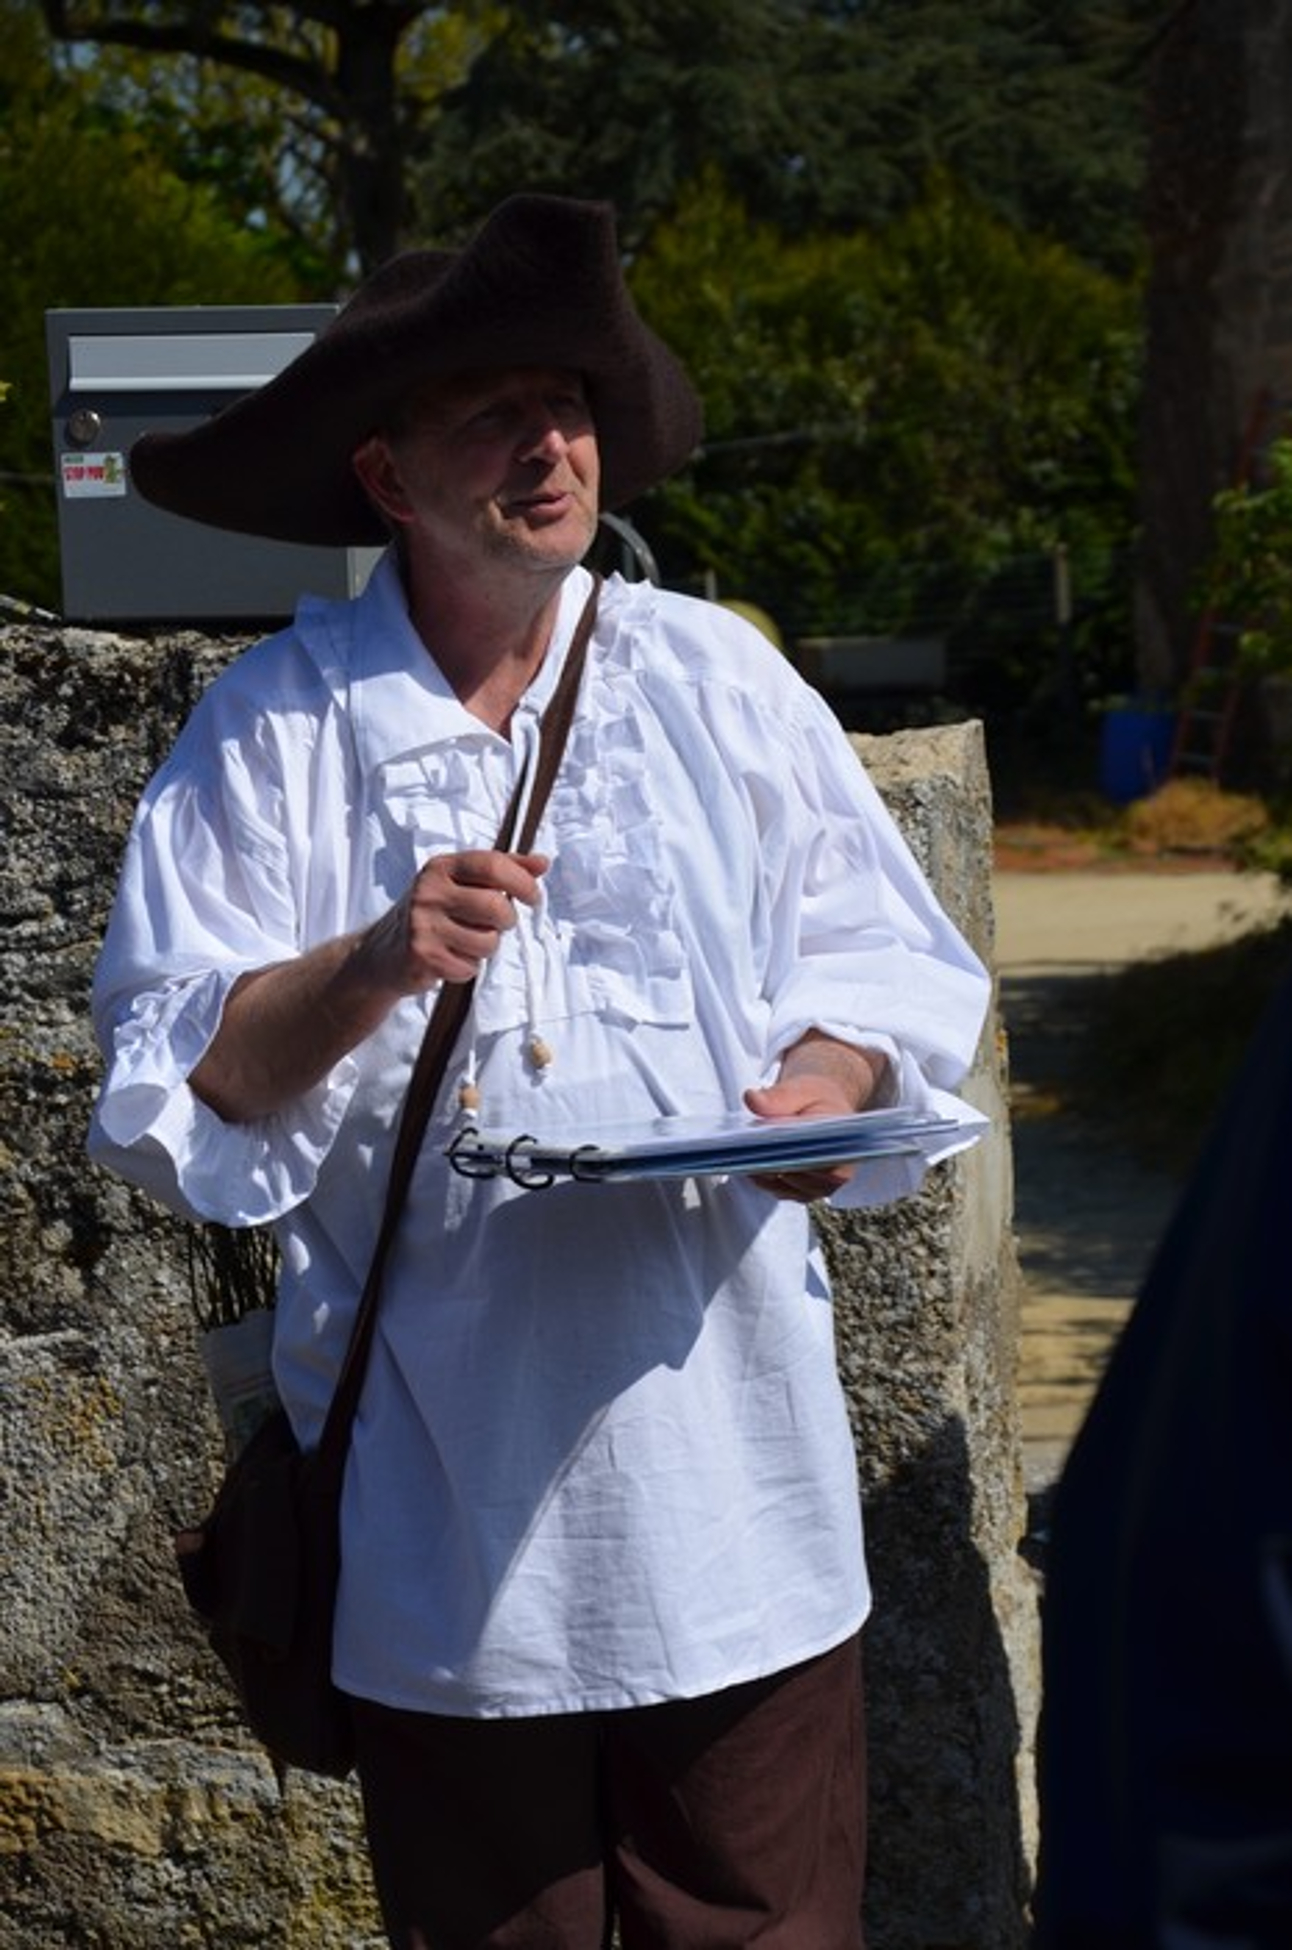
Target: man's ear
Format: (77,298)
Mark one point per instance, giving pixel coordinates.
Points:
(380,479)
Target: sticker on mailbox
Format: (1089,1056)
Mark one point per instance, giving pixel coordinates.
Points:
(86,475)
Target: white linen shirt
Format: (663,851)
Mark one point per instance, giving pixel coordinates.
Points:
(602,1456)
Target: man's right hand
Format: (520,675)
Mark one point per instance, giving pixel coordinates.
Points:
(452,918)
(284,1026)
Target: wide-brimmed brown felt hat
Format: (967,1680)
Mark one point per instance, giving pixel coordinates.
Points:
(540,285)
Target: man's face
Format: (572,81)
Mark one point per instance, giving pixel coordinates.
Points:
(488,470)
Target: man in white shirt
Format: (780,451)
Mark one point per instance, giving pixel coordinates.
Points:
(602,1570)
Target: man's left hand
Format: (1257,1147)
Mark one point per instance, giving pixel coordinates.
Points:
(819,1077)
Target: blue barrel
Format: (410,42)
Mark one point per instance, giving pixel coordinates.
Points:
(1135,752)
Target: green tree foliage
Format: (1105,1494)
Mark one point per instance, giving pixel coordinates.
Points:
(819,115)
(367,123)
(1034,107)
(894,415)
(614,100)
(88,217)
(911,367)
(307,113)
(1247,582)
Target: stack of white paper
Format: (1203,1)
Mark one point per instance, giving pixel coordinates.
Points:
(693,1147)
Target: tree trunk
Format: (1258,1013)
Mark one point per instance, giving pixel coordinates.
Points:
(373,162)
(1219,302)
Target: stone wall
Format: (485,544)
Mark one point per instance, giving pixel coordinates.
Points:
(134,1815)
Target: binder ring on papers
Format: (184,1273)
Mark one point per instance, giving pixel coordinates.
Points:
(531,1179)
(579,1163)
(470,1164)
(475,1164)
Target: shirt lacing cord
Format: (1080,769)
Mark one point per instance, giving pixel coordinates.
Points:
(538,1050)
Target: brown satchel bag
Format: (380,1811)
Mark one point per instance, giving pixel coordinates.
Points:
(261,1571)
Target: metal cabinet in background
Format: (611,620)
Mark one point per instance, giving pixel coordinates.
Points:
(117,373)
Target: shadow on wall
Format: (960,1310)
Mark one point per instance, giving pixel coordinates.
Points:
(943,1758)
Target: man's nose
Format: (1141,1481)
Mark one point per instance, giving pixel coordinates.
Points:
(543,439)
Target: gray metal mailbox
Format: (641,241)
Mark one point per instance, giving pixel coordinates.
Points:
(113,375)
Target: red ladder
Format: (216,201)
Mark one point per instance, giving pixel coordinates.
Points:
(1210,695)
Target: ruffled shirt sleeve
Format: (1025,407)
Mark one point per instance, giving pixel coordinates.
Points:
(211,888)
(846,935)
(860,947)
(865,952)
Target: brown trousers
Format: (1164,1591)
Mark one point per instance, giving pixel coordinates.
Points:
(710,1824)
